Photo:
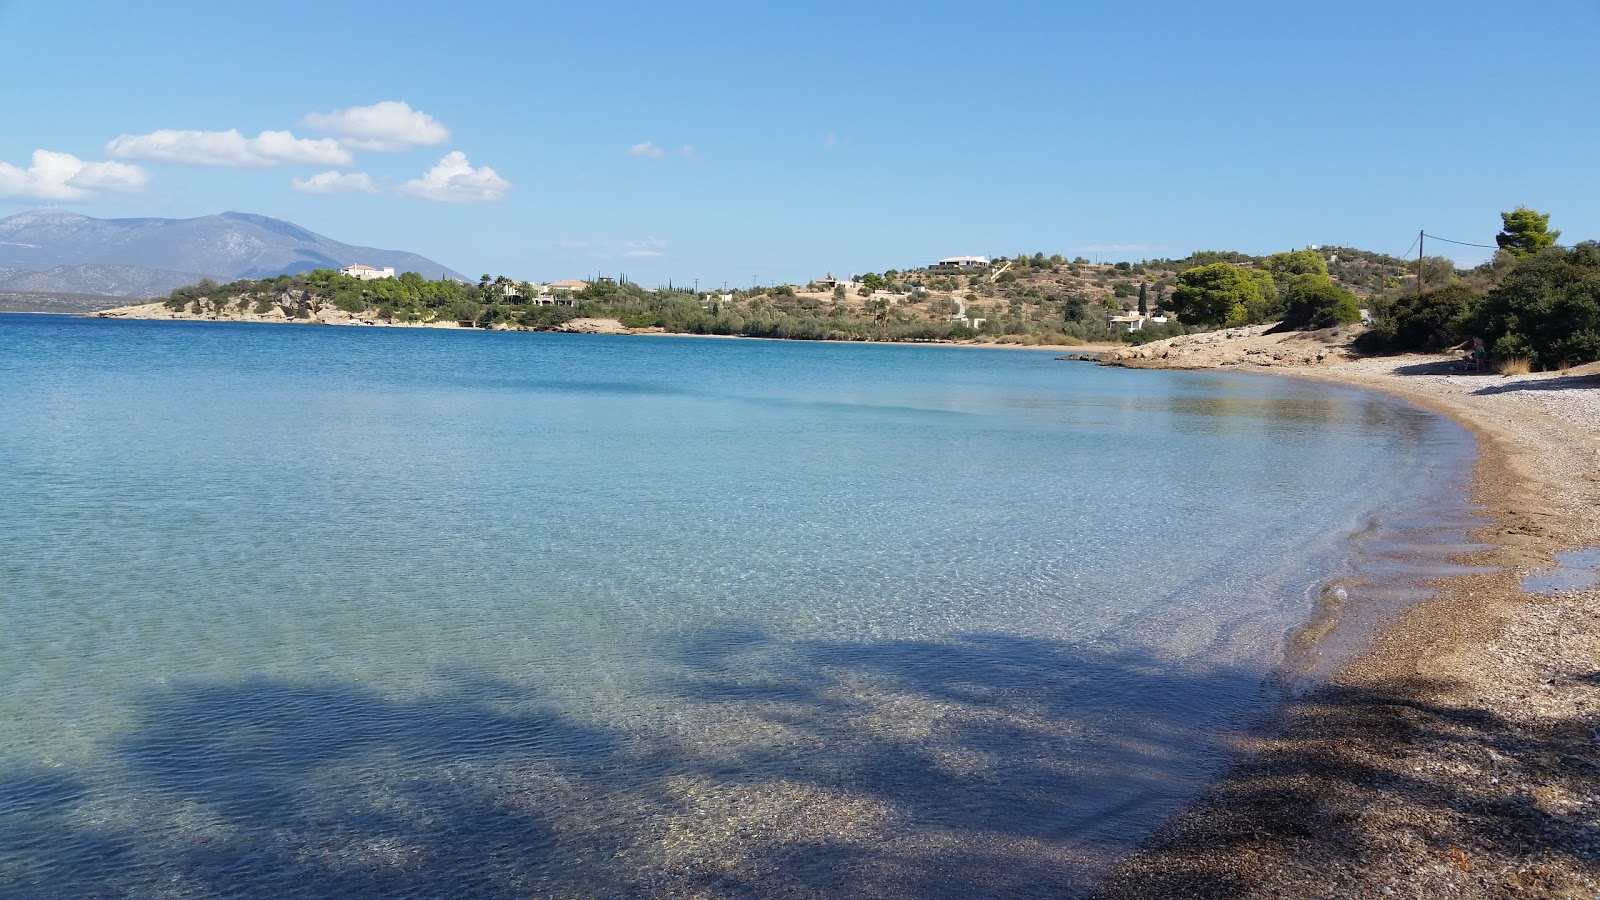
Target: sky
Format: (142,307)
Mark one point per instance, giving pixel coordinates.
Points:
(734,143)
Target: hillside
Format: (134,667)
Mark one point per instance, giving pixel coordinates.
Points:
(1029,300)
(53,250)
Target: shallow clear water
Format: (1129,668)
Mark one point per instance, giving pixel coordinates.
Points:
(301,611)
(1575,570)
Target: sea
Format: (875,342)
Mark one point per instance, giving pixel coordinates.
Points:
(301,611)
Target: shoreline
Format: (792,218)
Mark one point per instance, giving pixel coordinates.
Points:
(1456,754)
(156,312)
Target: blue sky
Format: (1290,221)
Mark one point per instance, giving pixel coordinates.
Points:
(731,142)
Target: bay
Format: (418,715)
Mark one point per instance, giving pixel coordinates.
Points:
(312,611)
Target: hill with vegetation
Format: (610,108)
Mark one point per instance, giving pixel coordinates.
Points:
(1533,301)
(1035,299)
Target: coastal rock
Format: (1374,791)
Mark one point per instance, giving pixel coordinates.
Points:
(1251,345)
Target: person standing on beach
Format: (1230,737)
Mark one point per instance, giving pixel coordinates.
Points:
(1479,353)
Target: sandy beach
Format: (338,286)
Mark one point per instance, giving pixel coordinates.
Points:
(1459,754)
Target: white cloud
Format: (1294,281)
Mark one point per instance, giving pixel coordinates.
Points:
(454,180)
(646,150)
(387,126)
(332,182)
(229,148)
(648,248)
(62,176)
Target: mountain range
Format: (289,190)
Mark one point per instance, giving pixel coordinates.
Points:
(57,251)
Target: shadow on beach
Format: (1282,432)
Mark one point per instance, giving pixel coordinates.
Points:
(1557,383)
(1343,786)
(988,765)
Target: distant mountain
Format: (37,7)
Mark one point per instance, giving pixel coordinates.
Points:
(59,251)
(114,281)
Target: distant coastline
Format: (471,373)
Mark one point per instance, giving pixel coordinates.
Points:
(158,311)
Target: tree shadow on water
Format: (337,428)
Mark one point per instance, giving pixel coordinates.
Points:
(743,765)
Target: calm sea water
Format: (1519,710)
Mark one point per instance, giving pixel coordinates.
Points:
(295,611)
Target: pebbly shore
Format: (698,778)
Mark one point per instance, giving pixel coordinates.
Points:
(1459,754)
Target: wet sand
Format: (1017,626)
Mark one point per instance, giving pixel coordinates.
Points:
(1459,754)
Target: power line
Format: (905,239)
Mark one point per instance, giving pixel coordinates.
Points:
(1462,243)
(1407,254)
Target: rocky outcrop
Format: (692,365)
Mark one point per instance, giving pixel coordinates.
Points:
(1252,345)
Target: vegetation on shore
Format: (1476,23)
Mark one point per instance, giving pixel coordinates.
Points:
(1534,304)
(1533,301)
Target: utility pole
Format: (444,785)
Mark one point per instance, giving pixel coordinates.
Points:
(1420,236)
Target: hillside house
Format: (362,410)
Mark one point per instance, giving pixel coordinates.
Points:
(952,264)
(560,293)
(367,273)
(1131,323)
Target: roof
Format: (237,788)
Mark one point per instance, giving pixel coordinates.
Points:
(570,282)
(359,266)
(948,260)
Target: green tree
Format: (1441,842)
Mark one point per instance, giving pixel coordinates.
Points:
(1314,301)
(1144,300)
(1547,309)
(1286,267)
(1433,321)
(1223,294)
(1525,232)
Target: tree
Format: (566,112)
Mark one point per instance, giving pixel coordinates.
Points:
(1433,321)
(1314,301)
(1144,300)
(1437,271)
(1525,232)
(1223,294)
(1286,267)
(1548,309)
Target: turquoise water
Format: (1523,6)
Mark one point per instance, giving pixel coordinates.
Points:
(299,611)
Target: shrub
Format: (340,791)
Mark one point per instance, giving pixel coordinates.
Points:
(1547,308)
(1433,321)
(1314,301)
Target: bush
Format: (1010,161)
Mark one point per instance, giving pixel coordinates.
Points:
(1547,309)
(1314,301)
(1434,321)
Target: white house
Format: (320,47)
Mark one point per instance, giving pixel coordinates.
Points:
(367,273)
(956,263)
(1132,323)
